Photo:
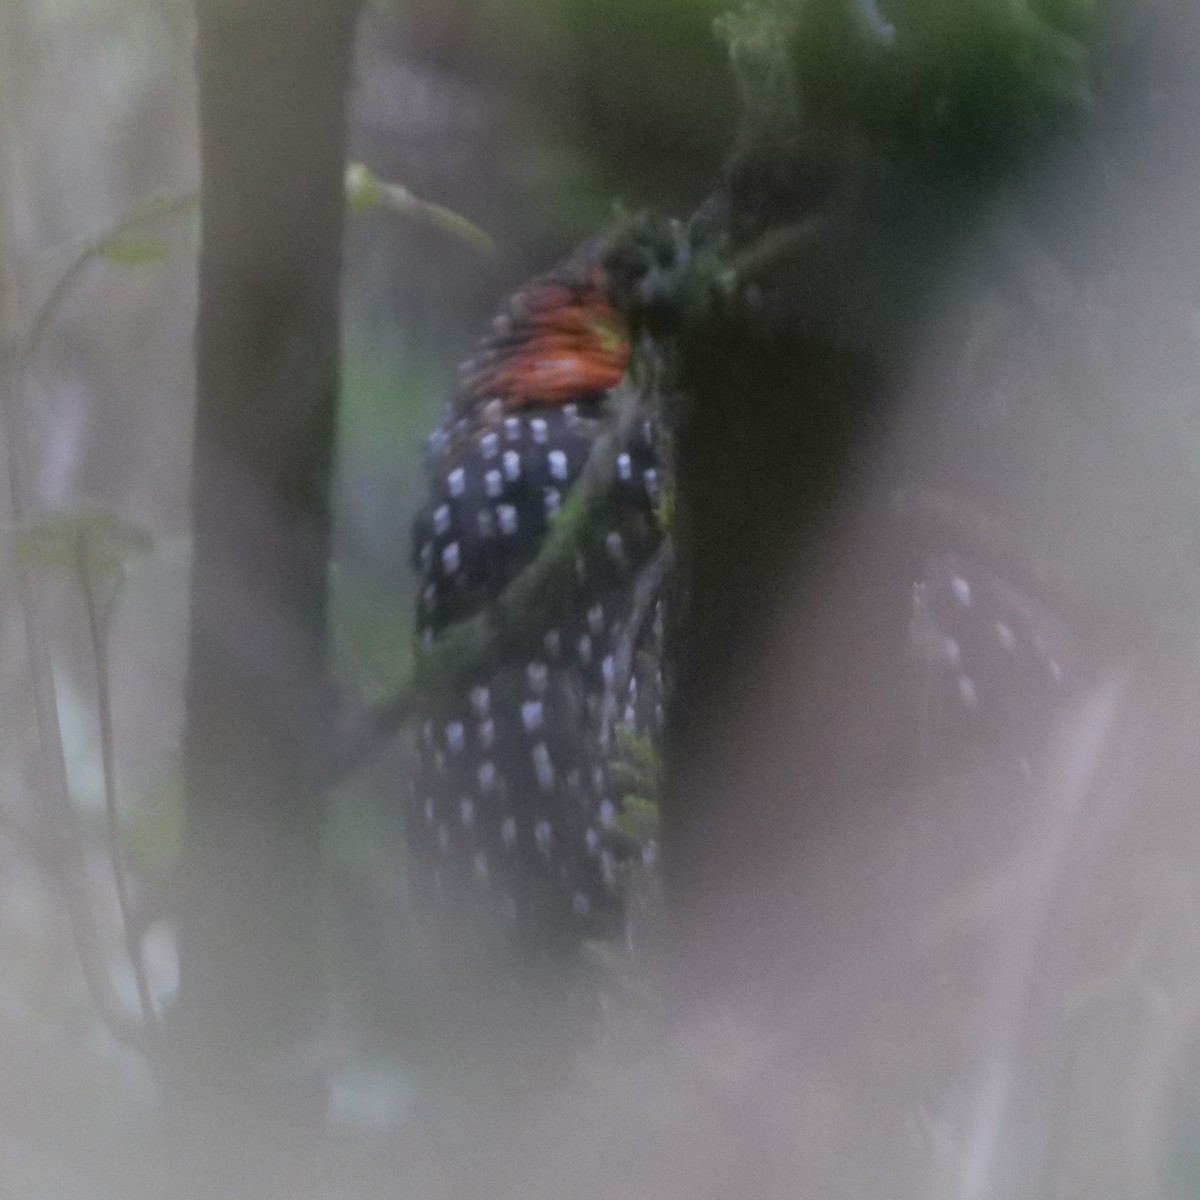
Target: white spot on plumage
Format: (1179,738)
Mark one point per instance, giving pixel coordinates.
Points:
(531,715)
(951,651)
(552,643)
(487,776)
(456,481)
(607,814)
(624,467)
(487,734)
(451,558)
(441,519)
(595,620)
(493,483)
(481,700)
(557,462)
(967,691)
(962,590)
(585,649)
(1056,671)
(543,768)
(488,445)
(427,635)
(512,428)
(649,855)
(570,411)
(542,836)
(425,555)
(608,668)
(552,498)
(650,482)
(429,811)
(538,428)
(591,841)
(506,515)
(455,737)
(512,466)
(608,869)
(537,677)
(1006,637)
(615,545)
(466,812)
(508,832)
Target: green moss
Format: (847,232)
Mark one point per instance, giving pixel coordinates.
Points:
(967,86)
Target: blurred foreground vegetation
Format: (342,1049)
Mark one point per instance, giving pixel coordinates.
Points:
(533,119)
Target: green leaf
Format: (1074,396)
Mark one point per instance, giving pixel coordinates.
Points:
(134,248)
(105,542)
(141,234)
(364,190)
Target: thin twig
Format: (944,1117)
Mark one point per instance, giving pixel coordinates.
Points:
(98,631)
(775,245)
(157,209)
(62,288)
(646,593)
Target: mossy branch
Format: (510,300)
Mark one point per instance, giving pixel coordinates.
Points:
(475,648)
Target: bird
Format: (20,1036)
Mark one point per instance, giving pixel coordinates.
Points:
(515,814)
(514,821)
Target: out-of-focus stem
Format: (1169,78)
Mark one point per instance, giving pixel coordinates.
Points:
(62,836)
(98,632)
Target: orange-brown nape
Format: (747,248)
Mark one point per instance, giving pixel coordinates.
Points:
(557,340)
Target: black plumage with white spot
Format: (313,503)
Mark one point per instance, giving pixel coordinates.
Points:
(995,665)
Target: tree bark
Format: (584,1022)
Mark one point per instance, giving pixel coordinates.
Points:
(779,483)
(273,77)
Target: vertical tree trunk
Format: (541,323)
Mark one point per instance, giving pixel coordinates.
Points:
(273,76)
(779,478)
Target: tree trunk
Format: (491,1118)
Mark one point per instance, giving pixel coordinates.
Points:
(273,77)
(779,483)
